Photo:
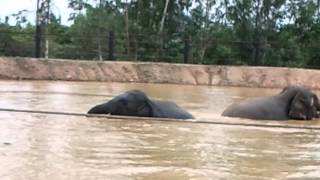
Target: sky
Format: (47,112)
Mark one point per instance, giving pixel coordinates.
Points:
(8,7)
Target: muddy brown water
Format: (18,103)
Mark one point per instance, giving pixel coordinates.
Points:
(39,146)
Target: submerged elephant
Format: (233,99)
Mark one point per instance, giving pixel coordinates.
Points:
(136,103)
(293,102)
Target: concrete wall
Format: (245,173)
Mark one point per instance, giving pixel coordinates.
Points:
(115,71)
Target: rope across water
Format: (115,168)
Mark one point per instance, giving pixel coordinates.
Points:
(212,122)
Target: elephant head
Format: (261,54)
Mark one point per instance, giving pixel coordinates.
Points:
(136,103)
(131,103)
(303,105)
(294,102)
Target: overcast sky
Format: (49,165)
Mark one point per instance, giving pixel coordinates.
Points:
(8,7)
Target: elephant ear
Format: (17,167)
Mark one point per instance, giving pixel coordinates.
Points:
(155,109)
(298,109)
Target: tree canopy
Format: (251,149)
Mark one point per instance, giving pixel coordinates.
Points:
(224,32)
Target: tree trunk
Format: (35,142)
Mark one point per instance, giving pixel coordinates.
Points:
(136,35)
(127,31)
(202,53)
(111,45)
(135,48)
(163,16)
(160,36)
(318,7)
(186,52)
(204,32)
(99,37)
(99,46)
(202,50)
(38,33)
(256,43)
(46,52)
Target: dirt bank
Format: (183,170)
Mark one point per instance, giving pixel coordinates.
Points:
(115,71)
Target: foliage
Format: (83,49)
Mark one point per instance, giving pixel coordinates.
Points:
(234,32)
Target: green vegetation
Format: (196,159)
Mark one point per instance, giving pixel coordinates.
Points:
(228,32)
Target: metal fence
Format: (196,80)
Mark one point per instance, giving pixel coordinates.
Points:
(174,48)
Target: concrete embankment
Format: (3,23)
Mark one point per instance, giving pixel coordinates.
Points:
(120,71)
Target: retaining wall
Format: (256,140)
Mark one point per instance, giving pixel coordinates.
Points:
(121,71)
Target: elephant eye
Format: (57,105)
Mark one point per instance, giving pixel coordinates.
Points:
(311,102)
(307,103)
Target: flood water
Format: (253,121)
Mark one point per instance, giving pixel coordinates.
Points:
(39,146)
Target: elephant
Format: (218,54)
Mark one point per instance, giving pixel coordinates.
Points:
(293,102)
(136,103)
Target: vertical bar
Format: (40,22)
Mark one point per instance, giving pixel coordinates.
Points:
(111,45)
(38,33)
(186,49)
(46,54)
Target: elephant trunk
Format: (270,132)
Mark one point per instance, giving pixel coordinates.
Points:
(316,106)
(100,109)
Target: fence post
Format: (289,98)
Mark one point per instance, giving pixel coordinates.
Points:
(186,51)
(37,36)
(38,42)
(111,45)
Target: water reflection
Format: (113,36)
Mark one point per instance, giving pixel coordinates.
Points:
(65,147)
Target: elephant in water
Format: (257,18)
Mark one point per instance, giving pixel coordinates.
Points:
(293,102)
(136,103)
